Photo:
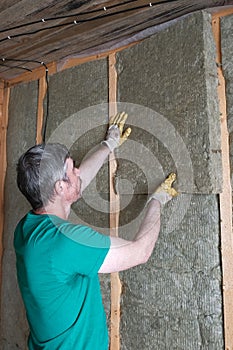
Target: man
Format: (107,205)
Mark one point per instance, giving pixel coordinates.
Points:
(58,262)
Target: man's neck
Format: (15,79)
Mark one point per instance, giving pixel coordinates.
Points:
(62,211)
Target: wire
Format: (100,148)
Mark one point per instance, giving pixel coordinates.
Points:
(87,13)
(77,21)
(65,16)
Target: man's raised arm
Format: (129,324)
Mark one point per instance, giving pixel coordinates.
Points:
(125,254)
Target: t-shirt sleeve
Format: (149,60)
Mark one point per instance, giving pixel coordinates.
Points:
(79,249)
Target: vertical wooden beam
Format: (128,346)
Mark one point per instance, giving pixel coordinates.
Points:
(114,215)
(225,200)
(4,101)
(40,109)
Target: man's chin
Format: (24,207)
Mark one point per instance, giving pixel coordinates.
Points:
(79,196)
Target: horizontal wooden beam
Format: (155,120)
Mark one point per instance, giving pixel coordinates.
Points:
(36,74)
(55,67)
(75,61)
(222,12)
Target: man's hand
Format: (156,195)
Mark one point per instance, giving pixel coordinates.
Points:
(115,135)
(165,192)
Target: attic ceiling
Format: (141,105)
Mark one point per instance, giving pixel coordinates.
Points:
(38,31)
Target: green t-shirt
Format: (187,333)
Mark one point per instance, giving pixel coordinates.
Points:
(57,269)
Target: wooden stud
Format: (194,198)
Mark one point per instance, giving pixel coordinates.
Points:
(114,216)
(40,109)
(225,201)
(4,101)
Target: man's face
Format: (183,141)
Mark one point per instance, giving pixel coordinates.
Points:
(73,185)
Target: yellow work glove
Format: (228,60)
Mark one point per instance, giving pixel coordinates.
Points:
(115,135)
(165,192)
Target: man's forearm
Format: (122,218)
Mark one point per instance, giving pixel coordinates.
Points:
(150,220)
(124,254)
(90,165)
(148,232)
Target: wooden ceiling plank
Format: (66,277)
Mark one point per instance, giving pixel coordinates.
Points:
(37,10)
(57,44)
(99,27)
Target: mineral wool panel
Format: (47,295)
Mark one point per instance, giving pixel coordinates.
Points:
(78,117)
(174,301)
(171,80)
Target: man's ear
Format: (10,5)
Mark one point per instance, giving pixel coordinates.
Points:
(59,187)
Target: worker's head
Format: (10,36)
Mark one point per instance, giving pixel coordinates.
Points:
(39,169)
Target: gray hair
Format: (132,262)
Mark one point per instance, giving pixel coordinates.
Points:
(38,170)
